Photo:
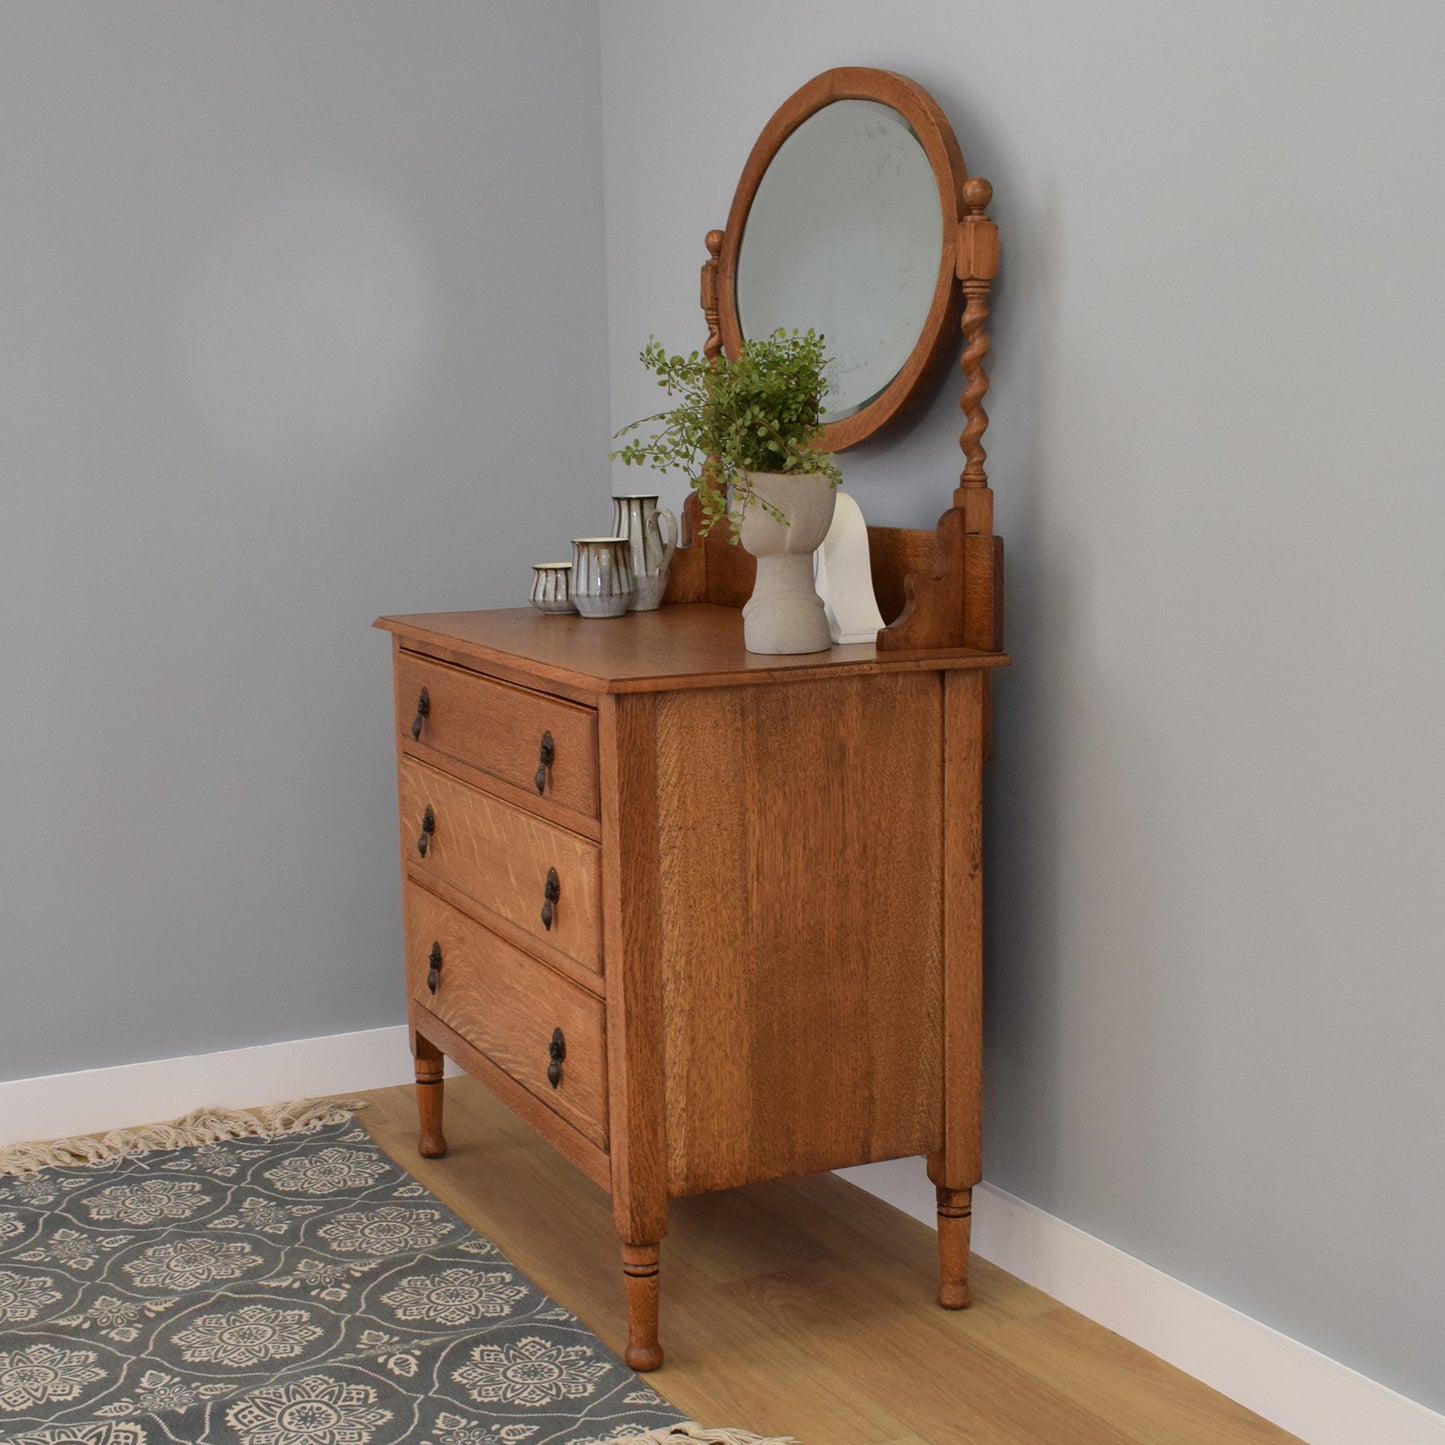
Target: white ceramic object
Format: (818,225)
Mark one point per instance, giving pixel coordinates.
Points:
(552,587)
(640,520)
(844,576)
(785,613)
(601,576)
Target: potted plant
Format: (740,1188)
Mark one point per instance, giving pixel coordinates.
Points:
(746,431)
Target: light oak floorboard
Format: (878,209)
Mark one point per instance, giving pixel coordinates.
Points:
(804,1306)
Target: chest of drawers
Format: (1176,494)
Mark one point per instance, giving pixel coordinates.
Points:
(700,917)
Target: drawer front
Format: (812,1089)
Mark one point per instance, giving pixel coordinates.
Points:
(508,1005)
(504,858)
(500,729)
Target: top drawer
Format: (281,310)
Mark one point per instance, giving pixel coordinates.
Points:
(500,729)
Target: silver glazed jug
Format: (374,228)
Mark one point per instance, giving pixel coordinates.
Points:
(640,520)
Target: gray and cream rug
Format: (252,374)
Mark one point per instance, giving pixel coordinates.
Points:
(282,1288)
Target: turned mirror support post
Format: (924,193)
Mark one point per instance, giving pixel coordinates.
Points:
(958,603)
(688,579)
(977,268)
(712,347)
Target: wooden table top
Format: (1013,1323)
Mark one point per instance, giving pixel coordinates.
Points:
(684,645)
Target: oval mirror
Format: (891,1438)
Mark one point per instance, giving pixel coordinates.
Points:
(845,220)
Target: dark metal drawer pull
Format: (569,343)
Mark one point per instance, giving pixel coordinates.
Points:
(434,973)
(558,1053)
(428,827)
(423,711)
(551,894)
(545,755)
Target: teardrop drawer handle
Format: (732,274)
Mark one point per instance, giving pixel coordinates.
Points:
(434,958)
(428,827)
(557,1053)
(545,756)
(423,711)
(550,895)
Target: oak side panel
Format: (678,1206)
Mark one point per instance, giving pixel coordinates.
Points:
(800,836)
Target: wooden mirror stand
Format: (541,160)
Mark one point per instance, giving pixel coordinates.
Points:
(942,588)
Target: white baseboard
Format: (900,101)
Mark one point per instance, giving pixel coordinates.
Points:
(93,1100)
(1299,1389)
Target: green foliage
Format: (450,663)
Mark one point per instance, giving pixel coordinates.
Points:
(759,413)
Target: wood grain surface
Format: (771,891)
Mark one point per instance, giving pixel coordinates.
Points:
(546,1123)
(627,730)
(498,728)
(507,1005)
(500,857)
(696,645)
(802,921)
(785,985)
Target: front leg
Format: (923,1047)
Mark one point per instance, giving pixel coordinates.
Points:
(431,1144)
(955,1212)
(640,1263)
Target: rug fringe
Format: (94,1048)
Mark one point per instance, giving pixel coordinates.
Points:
(200,1126)
(691,1430)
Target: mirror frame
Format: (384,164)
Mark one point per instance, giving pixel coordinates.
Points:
(940,330)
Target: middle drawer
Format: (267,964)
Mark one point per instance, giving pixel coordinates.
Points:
(534,874)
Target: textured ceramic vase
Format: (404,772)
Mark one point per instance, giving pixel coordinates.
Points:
(640,520)
(601,576)
(785,613)
(552,587)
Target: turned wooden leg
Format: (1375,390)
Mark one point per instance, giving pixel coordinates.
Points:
(955,1210)
(431,1143)
(639,1274)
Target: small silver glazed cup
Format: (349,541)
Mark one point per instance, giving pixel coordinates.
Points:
(552,587)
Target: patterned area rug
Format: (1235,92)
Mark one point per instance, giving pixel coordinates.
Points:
(291,1288)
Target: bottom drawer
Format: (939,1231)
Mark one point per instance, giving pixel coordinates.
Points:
(509,1006)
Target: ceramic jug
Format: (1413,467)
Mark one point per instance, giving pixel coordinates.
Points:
(601,576)
(640,520)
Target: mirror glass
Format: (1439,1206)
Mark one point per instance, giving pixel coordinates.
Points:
(845,235)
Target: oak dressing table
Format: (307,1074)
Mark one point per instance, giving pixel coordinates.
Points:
(703,917)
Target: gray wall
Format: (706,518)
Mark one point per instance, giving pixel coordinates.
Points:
(1215,987)
(302,311)
(303,322)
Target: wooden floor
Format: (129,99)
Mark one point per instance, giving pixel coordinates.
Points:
(804,1307)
